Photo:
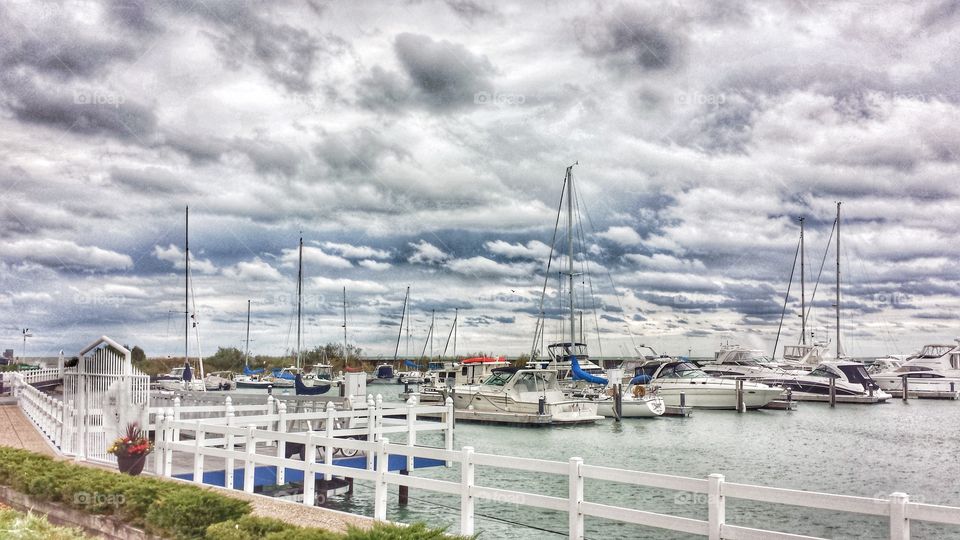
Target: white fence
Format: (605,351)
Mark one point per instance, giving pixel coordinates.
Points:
(237,439)
(43,410)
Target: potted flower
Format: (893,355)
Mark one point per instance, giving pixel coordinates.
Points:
(132,449)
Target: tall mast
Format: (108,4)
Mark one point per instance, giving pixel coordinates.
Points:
(299,296)
(246,352)
(186,285)
(402,315)
(433,320)
(456,315)
(803,296)
(570,252)
(344,326)
(838,280)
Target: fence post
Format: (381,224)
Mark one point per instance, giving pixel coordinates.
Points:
(716,506)
(329,427)
(309,476)
(228,440)
(411,430)
(371,427)
(281,444)
(199,435)
(176,416)
(448,432)
(249,467)
(159,445)
(170,439)
(379,402)
(380,491)
(576,498)
(466,492)
(899,522)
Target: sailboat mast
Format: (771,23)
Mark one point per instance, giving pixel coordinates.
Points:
(299,296)
(456,315)
(246,351)
(803,295)
(186,285)
(433,320)
(344,326)
(838,280)
(570,252)
(402,315)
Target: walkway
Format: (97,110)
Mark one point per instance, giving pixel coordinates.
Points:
(17,431)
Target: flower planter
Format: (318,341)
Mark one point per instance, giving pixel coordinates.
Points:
(132,465)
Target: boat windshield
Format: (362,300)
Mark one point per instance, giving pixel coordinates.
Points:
(498,378)
(823,371)
(856,373)
(684,370)
(935,351)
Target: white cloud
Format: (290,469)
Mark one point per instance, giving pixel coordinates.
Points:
(357,252)
(173,254)
(426,253)
(64,253)
(314,256)
(321,283)
(533,249)
(255,270)
(664,262)
(482,267)
(375,265)
(625,236)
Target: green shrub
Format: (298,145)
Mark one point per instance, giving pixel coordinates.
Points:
(304,533)
(188,511)
(389,531)
(246,528)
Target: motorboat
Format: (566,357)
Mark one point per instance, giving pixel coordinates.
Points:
(735,361)
(886,363)
(219,381)
(851,383)
(179,378)
(409,377)
(522,396)
(679,377)
(446,375)
(382,375)
(933,372)
(635,400)
(804,357)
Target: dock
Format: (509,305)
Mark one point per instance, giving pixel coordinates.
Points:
(861,400)
(925,394)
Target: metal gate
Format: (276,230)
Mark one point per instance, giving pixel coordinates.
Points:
(101,395)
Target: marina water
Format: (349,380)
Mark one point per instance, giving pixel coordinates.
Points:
(868,451)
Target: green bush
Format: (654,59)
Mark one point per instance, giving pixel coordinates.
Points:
(246,528)
(188,511)
(388,531)
(304,533)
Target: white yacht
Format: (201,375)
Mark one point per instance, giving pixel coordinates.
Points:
(446,375)
(560,360)
(635,402)
(804,357)
(852,383)
(521,396)
(734,361)
(933,372)
(675,377)
(179,378)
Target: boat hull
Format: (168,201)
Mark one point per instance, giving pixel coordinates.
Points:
(498,405)
(633,407)
(718,398)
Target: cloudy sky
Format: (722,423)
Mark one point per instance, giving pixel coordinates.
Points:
(425,143)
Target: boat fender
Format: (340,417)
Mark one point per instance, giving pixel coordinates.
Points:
(639,391)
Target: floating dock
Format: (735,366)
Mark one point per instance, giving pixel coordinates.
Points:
(524,419)
(862,400)
(925,394)
(782,405)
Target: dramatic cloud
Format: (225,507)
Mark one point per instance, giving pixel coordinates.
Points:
(64,254)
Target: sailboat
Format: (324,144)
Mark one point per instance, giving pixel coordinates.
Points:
(322,373)
(250,378)
(529,395)
(184,378)
(851,381)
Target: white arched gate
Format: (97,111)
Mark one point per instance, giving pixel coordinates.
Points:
(101,395)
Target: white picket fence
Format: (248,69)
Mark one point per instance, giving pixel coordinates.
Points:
(237,439)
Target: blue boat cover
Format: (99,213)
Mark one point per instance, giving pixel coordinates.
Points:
(410,364)
(187,373)
(248,371)
(581,375)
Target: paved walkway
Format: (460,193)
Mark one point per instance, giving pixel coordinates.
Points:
(17,431)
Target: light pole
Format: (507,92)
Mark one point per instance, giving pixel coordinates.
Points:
(26,334)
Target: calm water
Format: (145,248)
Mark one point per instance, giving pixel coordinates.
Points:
(851,449)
